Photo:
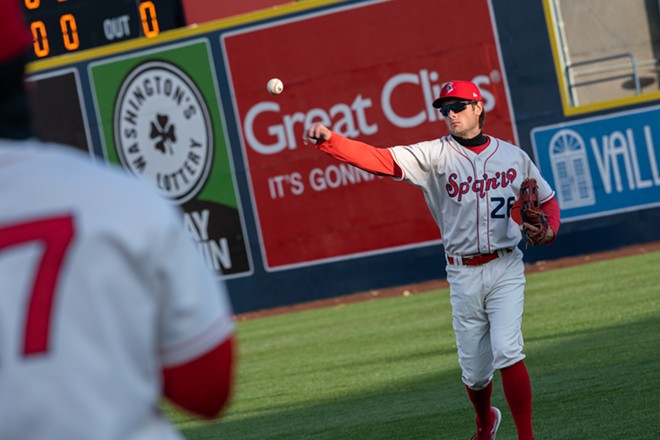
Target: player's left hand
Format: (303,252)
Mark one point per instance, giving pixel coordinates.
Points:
(537,235)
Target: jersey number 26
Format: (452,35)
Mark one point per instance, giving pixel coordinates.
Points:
(502,207)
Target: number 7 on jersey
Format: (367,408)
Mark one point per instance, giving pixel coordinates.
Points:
(56,234)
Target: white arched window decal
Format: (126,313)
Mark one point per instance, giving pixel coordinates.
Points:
(570,169)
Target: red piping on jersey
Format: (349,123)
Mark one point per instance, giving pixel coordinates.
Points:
(474,171)
(497,147)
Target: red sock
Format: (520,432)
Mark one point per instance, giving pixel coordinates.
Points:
(518,393)
(481,401)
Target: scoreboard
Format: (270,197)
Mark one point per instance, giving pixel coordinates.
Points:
(64,26)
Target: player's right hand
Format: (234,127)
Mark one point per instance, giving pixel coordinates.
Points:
(317,132)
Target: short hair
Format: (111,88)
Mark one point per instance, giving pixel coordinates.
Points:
(482,116)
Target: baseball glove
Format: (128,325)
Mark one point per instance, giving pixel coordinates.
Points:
(531,212)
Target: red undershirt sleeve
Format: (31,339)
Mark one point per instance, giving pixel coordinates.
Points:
(375,160)
(551,210)
(203,386)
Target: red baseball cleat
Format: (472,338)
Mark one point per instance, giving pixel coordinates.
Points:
(496,417)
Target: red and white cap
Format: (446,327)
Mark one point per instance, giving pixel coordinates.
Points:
(466,90)
(14,34)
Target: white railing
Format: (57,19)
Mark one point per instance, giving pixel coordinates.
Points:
(572,85)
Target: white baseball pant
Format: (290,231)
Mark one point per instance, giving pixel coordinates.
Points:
(487,308)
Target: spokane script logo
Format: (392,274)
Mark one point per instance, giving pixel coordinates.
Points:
(479,186)
(163,130)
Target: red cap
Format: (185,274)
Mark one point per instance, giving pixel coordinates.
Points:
(14,34)
(466,90)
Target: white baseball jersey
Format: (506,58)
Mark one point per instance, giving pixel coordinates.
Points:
(101,287)
(470,195)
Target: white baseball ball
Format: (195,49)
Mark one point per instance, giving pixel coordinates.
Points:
(275,86)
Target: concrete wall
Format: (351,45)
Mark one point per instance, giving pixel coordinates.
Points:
(601,28)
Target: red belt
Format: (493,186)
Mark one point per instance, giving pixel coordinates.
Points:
(476,260)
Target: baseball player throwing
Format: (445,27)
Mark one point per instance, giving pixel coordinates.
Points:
(105,304)
(471,182)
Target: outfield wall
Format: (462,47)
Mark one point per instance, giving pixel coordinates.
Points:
(283,223)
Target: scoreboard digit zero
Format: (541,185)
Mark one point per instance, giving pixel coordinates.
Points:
(65,26)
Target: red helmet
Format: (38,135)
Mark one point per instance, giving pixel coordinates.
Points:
(14,34)
(466,90)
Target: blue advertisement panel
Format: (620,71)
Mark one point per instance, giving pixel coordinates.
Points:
(604,165)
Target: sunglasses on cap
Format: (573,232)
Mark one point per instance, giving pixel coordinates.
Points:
(455,107)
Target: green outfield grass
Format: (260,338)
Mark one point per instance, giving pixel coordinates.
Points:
(387,369)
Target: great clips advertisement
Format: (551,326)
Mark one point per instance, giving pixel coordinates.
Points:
(369,71)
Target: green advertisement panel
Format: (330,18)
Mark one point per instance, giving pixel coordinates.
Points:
(159,118)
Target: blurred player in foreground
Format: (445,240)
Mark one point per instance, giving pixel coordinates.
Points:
(470,182)
(105,304)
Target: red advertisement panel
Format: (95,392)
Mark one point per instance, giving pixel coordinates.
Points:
(200,11)
(370,72)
